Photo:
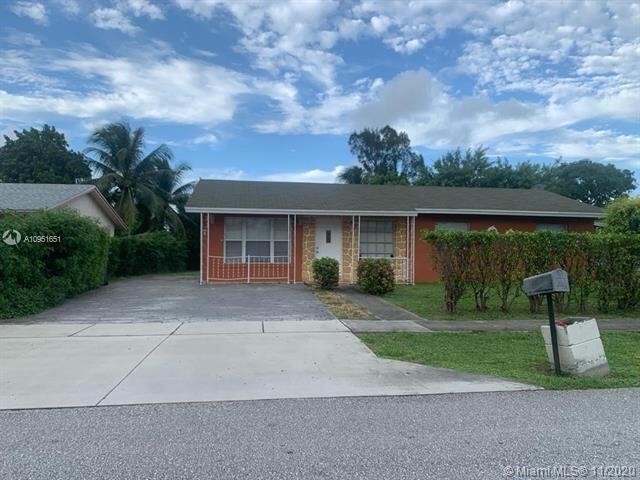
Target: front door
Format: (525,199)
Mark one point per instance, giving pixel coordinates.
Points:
(329,238)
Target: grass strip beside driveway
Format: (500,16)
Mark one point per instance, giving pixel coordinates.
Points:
(341,307)
(426,300)
(517,355)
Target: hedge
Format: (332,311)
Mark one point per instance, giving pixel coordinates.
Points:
(604,268)
(61,254)
(154,252)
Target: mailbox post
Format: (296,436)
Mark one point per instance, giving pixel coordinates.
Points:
(555,281)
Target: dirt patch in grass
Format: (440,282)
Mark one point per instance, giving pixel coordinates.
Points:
(341,307)
(517,355)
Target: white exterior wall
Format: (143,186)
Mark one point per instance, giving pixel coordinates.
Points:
(87,206)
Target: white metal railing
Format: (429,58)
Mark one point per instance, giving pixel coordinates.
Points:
(248,268)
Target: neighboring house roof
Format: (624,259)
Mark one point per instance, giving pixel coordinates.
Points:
(30,197)
(232,196)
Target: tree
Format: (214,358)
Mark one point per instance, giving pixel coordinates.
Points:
(589,182)
(41,156)
(455,170)
(385,157)
(172,215)
(623,215)
(128,177)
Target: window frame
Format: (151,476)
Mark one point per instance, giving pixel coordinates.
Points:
(244,239)
(556,227)
(440,226)
(384,244)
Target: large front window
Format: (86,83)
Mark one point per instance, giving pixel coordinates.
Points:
(376,239)
(256,239)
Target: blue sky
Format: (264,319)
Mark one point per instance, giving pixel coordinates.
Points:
(258,90)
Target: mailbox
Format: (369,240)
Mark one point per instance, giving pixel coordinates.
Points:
(555,281)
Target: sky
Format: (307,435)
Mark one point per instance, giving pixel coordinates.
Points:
(248,89)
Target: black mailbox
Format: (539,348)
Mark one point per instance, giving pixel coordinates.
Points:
(555,281)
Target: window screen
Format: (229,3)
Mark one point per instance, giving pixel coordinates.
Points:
(263,240)
(551,227)
(453,226)
(376,239)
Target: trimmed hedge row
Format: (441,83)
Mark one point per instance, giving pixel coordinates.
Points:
(36,274)
(604,268)
(154,252)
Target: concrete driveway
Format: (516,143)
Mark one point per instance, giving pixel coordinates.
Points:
(169,298)
(73,364)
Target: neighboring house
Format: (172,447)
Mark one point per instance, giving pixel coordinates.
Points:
(86,199)
(249,228)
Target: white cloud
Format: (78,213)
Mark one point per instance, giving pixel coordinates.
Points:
(207,138)
(315,175)
(167,88)
(17,37)
(142,8)
(34,10)
(70,7)
(113,19)
(592,143)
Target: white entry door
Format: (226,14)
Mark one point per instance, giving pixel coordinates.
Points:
(329,238)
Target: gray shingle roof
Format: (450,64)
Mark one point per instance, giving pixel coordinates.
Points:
(25,197)
(233,195)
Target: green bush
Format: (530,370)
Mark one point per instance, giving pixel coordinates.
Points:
(153,252)
(604,267)
(37,274)
(376,276)
(623,216)
(326,273)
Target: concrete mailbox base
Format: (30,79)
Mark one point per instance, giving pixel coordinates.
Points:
(580,347)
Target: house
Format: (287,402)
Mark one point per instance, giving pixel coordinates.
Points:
(272,231)
(86,199)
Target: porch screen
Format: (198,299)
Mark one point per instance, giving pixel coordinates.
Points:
(262,239)
(376,239)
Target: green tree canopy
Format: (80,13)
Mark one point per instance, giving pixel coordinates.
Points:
(384,156)
(590,182)
(41,156)
(623,215)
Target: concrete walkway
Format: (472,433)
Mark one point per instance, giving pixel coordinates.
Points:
(63,365)
(380,309)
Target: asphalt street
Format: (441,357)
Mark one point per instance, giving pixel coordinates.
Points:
(456,436)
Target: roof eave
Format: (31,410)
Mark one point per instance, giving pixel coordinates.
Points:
(512,213)
(278,211)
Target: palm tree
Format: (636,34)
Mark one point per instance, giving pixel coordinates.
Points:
(172,214)
(128,177)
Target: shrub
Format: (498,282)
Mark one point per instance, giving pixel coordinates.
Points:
(376,276)
(326,273)
(604,266)
(35,274)
(623,216)
(153,252)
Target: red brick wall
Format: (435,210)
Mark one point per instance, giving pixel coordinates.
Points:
(424,269)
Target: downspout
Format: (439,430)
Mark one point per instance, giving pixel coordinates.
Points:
(295,252)
(201,235)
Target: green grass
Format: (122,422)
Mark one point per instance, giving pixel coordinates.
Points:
(426,300)
(517,355)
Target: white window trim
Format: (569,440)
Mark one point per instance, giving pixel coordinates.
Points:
(243,239)
(393,240)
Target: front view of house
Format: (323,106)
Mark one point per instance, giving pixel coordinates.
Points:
(272,231)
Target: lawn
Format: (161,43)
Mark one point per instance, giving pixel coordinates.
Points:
(517,355)
(426,300)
